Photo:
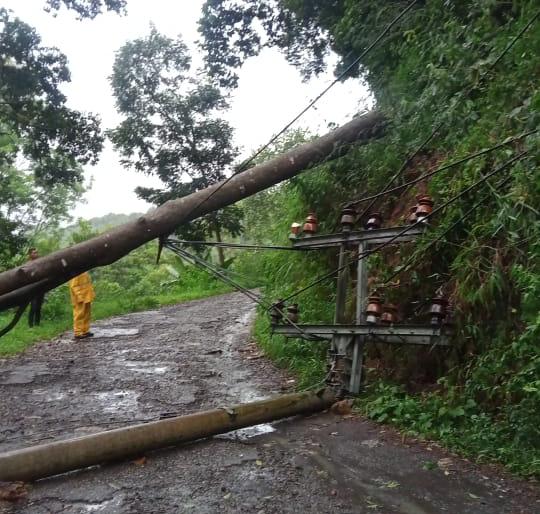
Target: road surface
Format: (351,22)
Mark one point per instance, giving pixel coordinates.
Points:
(199,355)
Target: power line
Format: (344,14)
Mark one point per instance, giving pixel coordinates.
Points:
(221,244)
(332,84)
(433,242)
(243,165)
(464,93)
(469,157)
(253,297)
(406,229)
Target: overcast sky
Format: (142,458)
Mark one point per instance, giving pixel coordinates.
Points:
(270,92)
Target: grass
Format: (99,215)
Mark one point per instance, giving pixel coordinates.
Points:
(57,314)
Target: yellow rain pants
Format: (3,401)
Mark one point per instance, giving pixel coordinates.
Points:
(82,295)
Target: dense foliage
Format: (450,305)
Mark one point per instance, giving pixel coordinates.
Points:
(43,143)
(483,396)
(87,8)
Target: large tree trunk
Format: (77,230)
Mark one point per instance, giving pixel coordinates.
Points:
(114,244)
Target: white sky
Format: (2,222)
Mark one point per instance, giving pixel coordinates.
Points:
(270,92)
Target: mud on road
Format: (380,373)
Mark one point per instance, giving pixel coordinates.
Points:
(199,355)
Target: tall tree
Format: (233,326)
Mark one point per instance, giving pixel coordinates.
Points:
(43,143)
(171,128)
(87,8)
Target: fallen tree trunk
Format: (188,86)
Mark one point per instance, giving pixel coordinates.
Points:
(59,457)
(111,246)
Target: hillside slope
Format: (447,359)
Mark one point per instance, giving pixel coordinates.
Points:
(446,73)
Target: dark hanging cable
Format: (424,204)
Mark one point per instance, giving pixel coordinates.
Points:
(406,229)
(469,157)
(464,93)
(209,268)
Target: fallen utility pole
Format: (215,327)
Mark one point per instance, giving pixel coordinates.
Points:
(58,457)
(114,244)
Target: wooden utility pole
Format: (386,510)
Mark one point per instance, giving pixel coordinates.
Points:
(114,244)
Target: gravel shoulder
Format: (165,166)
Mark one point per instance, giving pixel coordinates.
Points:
(199,355)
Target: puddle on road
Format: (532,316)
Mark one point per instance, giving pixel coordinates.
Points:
(115,332)
(114,401)
(242,434)
(143,367)
(24,374)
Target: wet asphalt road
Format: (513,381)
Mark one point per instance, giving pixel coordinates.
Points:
(199,355)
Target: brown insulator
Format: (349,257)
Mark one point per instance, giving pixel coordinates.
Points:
(437,311)
(424,208)
(374,221)
(276,311)
(411,217)
(293,313)
(348,217)
(311,225)
(373,309)
(389,314)
(295,230)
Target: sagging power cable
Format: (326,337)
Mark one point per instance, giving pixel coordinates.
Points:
(464,93)
(221,244)
(469,157)
(176,248)
(15,319)
(243,165)
(367,253)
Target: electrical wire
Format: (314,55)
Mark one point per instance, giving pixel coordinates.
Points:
(464,93)
(257,299)
(332,84)
(243,165)
(218,273)
(17,316)
(469,157)
(221,244)
(406,229)
(433,242)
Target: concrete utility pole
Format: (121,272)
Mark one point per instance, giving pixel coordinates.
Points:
(50,459)
(20,284)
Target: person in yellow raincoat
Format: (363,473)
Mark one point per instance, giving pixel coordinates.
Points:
(82,296)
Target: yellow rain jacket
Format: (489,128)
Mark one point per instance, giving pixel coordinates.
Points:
(81,289)
(82,295)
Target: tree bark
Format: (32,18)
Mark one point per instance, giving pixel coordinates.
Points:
(114,244)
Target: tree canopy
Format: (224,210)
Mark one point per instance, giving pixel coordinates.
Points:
(234,30)
(43,143)
(170,127)
(87,8)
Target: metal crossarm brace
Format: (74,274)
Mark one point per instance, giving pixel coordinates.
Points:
(347,342)
(369,237)
(394,334)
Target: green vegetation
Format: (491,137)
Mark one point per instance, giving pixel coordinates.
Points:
(171,129)
(482,397)
(132,284)
(446,65)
